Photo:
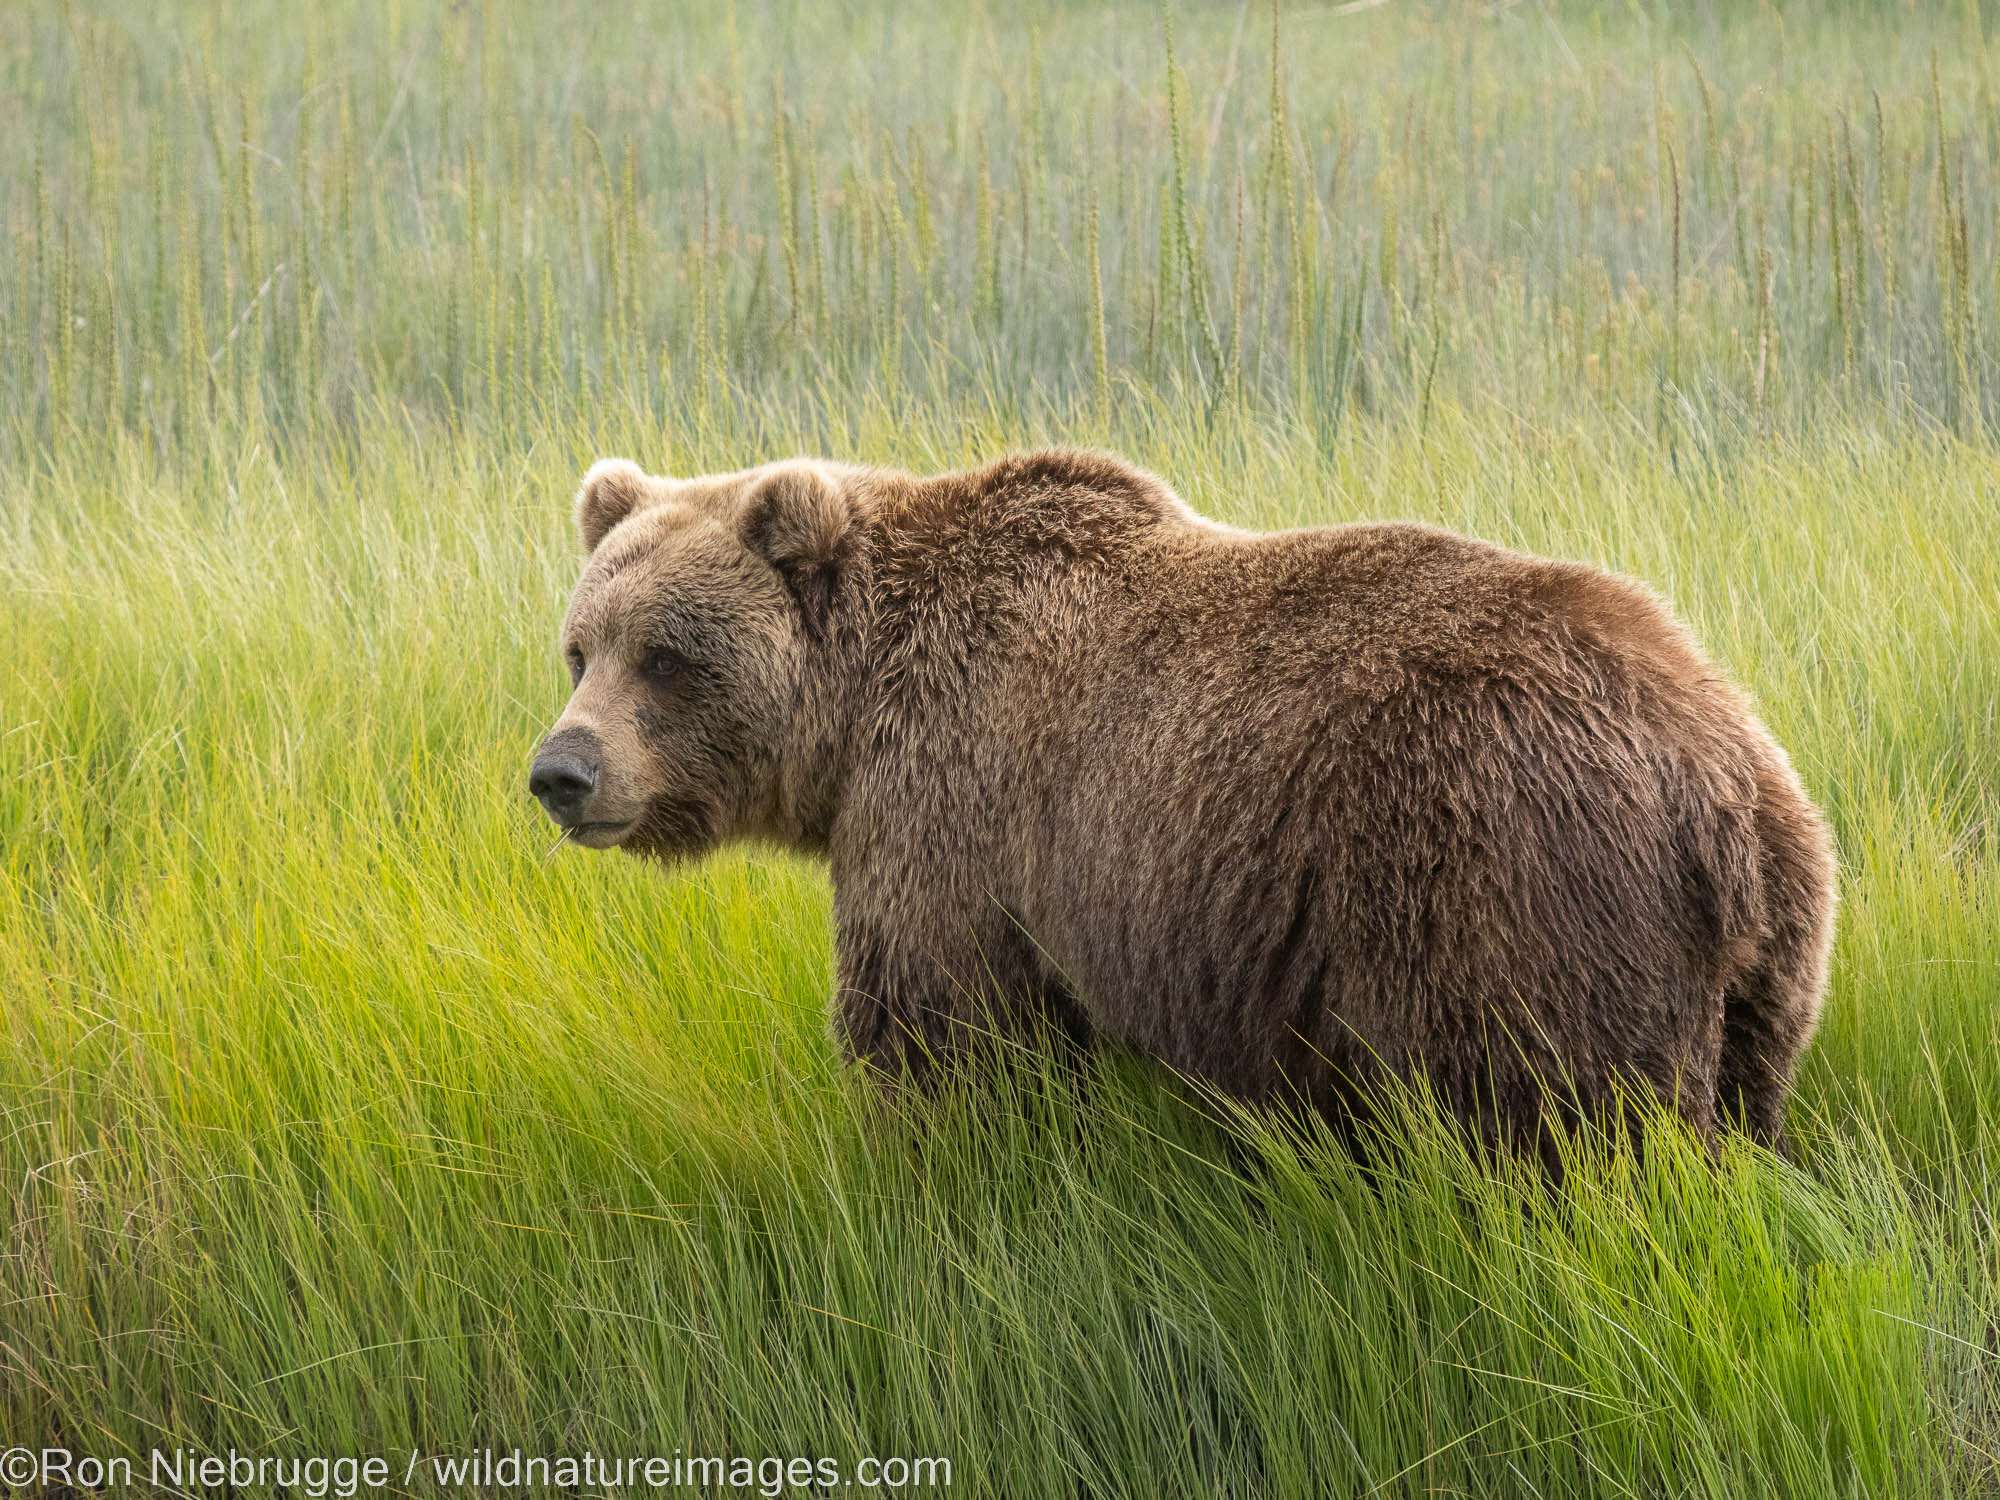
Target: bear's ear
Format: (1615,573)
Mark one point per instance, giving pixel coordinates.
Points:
(611,491)
(800,523)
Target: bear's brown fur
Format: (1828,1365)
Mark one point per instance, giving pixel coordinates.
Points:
(1291,812)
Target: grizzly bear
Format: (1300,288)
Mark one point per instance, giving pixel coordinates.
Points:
(1296,813)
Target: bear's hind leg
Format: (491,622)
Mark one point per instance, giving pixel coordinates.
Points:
(1767,1018)
(1770,1011)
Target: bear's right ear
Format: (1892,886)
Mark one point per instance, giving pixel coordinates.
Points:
(611,491)
(800,523)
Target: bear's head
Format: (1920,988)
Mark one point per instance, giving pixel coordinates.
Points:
(689,641)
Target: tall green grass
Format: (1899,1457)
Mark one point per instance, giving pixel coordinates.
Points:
(502,210)
(335,1115)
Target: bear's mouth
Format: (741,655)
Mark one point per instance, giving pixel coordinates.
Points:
(599,835)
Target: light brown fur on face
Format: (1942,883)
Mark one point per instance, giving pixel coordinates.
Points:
(686,656)
(1294,812)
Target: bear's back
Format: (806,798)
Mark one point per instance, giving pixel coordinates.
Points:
(1372,610)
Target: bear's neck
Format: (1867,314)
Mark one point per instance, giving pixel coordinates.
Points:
(815,762)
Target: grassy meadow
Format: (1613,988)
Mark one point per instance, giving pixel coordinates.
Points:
(339,1115)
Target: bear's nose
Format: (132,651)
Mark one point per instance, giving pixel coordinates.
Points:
(562,784)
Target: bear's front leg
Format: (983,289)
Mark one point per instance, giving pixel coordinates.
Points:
(915,1010)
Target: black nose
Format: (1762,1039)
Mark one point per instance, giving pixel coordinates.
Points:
(563,785)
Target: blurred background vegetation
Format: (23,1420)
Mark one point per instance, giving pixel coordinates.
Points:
(1687,216)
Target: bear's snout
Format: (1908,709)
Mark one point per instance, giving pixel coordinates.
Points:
(564,776)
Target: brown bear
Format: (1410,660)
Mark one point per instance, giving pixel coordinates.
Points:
(1293,812)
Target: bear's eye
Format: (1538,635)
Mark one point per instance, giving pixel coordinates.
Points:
(575,659)
(662,665)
